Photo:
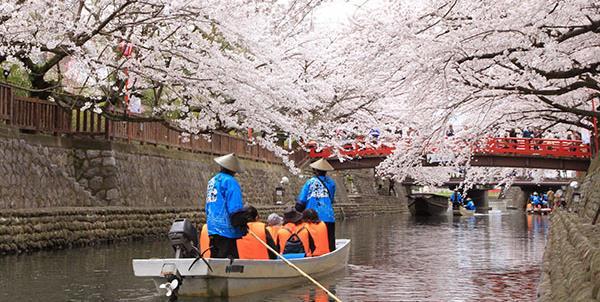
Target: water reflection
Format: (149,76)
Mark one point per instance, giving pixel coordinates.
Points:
(392,258)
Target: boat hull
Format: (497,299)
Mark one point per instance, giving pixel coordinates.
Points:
(542,211)
(428,205)
(242,277)
(461,211)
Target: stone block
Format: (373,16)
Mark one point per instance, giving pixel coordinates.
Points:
(110,182)
(92,172)
(106,153)
(108,171)
(112,194)
(83,182)
(100,195)
(92,153)
(96,161)
(109,161)
(96,183)
(80,154)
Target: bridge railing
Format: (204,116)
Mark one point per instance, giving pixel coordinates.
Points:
(491,146)
(536,147)
(353,150)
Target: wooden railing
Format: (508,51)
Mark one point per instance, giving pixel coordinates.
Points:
(43,116)
(6,99)
(88,122)
(39,115)
(157,133)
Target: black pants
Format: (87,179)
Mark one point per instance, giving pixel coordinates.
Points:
(331,235)
(223,247)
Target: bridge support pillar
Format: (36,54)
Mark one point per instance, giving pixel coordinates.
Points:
(517,198)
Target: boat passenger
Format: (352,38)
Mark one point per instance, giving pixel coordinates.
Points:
(294,239)
(470,205)
(249,247)
(274,223)
(544,199)
(318,193)
(204,242)
(318,231)
(224,198)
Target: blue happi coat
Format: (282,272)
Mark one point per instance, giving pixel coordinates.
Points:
(456,198)
(470,205)
(223,198)
(314,196)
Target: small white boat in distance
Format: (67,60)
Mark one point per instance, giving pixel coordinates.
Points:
(226,278)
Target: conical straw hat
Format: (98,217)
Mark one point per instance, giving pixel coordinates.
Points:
(321,165)
(229,162)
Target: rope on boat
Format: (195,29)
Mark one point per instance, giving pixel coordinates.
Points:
(330,294)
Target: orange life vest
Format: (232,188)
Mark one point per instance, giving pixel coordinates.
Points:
(319,296)
(286,232)
(248,247)
(204,241)
(273,229)
(318,231)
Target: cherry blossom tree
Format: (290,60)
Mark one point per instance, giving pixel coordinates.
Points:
(406,68)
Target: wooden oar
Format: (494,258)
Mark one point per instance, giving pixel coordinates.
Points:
(330,294)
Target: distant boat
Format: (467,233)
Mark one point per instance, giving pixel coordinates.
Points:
(540,211)
(428,204)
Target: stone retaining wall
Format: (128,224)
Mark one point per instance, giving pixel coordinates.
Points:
(43,172)
(571,265)
(36,176)
(58,192)
(27,230)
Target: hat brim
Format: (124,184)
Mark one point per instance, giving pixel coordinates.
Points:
(293,217)
(229,162)
(321,165)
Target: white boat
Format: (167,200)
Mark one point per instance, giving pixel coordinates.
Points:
(226,278)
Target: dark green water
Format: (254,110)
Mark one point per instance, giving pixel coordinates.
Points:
(392,258)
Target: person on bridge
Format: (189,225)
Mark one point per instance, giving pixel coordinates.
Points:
(224,198)
(248,246)
(318,193)
(456,198)
(470,204)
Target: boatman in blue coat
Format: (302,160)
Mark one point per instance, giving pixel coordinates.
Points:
(318,193)
(456,198)
(470,204)
(223,198)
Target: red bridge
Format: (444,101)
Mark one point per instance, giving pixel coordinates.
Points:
(495,152)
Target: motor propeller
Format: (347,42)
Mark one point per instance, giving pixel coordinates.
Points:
(171,287)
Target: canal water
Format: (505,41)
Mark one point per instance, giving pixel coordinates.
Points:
(393,258)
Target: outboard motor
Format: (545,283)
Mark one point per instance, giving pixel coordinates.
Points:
(184,239)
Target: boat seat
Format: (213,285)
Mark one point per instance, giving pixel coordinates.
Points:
(294,256)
